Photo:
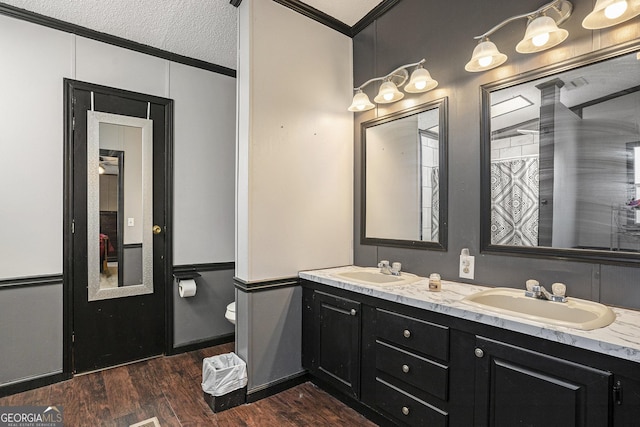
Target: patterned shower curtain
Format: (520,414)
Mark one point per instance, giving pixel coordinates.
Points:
(435,203)
(514,202)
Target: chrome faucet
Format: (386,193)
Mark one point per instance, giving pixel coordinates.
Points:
(384,267)
(393,270)
(535,290)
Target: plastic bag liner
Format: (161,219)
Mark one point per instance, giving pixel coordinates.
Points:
(223,373)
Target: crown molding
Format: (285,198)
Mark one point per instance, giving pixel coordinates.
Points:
(330,21)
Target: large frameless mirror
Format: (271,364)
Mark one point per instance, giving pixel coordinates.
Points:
(404,178)
(561,163)
(119,206)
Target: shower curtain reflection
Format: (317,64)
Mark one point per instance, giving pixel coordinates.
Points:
(514,202)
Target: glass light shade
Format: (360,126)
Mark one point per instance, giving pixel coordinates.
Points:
(485,57)
(542,33)
(360,102)
(420,81)
(607,13)
(388,93)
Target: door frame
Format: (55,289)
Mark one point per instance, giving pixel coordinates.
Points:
(67,271)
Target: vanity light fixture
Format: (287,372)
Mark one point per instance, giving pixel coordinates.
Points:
(607,13)
(542,33)
(420,81)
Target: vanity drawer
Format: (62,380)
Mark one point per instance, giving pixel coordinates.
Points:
(421,373)
(424,337)
(407,408)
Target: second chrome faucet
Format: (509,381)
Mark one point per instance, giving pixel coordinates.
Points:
(393,270)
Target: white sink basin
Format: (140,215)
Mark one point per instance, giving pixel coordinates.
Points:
(372,276)
(575,313)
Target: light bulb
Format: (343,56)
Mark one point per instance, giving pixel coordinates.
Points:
(388,96)
(616,9)
(360,107)
(421,84)
(540,39)
(484,61)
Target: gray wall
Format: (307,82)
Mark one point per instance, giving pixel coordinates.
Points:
(30,352)
(268,334)
(443,34)
(201,317)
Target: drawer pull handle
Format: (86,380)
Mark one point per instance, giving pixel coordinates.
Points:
(353,312)
(405,369)
(405,410)
(478,352)
(406,333)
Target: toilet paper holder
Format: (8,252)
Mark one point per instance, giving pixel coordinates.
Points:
(185,275)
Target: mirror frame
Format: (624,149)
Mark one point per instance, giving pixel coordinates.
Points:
(94,118)
(441,244)
(584,255)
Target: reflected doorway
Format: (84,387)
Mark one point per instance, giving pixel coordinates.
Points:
(111,178)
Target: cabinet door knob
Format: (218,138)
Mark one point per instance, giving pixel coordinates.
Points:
(157,229)
(405,410)
(406,333)
(353,312)
(478,352)
(405,369)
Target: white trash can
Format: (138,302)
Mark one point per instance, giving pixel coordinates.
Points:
(224,381)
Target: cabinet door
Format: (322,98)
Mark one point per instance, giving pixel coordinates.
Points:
(518,387)
(337,346)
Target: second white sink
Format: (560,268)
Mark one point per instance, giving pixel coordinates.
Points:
(575,313)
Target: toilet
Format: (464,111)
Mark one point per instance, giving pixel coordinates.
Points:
(231,313)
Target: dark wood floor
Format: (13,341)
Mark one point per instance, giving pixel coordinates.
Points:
(169,388)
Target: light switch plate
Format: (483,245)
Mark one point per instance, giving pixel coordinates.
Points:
(130,222)
(467,264)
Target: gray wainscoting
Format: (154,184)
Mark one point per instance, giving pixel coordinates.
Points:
(201,317)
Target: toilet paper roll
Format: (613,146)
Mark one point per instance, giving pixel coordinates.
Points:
(187,288)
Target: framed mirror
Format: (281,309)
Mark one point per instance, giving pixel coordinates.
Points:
(560,160)
(119,206)
(404,178)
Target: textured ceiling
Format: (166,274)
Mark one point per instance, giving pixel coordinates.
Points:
(200,29)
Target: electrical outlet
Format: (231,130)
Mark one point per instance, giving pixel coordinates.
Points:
(467,264)
(130,222)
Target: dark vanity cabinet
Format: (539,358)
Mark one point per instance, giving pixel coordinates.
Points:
(516,386)
(401,365)
(411,369)
(332,329)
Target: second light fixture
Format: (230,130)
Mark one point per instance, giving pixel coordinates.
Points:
(542,33)
(420,81)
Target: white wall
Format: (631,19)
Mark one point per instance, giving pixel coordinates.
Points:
(204,163)
(393,176)
(294,187)
(295,154)
(35,60)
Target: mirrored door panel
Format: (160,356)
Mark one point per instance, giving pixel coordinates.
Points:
(119,206)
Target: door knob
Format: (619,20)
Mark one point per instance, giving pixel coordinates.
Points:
(157,229)
(478,352)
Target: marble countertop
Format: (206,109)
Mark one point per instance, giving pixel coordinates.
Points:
(620,339)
